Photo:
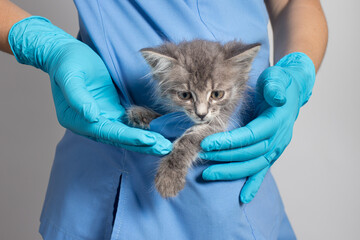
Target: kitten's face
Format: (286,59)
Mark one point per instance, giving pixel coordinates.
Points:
(202,98)
(201,106)
(200,77)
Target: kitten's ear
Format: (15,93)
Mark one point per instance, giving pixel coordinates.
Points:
(240,54)
(158,59)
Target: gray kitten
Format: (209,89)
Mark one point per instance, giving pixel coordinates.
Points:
(206,80)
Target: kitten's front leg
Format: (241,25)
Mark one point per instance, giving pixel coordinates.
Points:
(140,116)
(170,177)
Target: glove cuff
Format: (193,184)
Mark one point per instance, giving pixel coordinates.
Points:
(300,65)
(32,39)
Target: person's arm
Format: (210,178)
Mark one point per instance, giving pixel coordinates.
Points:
(9,15)
(300,37)
(298,26)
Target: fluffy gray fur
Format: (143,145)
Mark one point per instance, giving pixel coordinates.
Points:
(206,80)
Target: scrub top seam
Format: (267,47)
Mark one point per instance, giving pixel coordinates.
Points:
(127,96)
(248,221)
(201,19)
(119,218)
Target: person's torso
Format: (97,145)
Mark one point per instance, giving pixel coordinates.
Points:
(85,175)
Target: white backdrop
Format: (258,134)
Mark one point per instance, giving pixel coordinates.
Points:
(317,175)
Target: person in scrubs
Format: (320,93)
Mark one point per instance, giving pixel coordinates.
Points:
(101,183)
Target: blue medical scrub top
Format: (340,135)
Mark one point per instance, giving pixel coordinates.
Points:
(87,177)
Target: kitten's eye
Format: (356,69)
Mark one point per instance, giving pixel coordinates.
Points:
(217,94)
(184,95)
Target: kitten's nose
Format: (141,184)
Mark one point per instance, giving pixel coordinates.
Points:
(201,116)
(201,110)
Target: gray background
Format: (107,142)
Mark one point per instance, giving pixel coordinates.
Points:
(317,175)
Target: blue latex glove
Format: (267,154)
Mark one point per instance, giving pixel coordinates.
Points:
(252,149)
(85,97)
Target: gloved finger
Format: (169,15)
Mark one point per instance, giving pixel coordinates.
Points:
(252,185)
(238,154)
(261,128)
(119,133)
(272,83)
(234,170)
(157,149)
(78,97)
(160,148)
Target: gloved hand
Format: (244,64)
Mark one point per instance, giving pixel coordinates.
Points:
(252,149)
(85,97)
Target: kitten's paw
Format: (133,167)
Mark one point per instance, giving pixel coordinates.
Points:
(169,184)
(169,180)
(140,116)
